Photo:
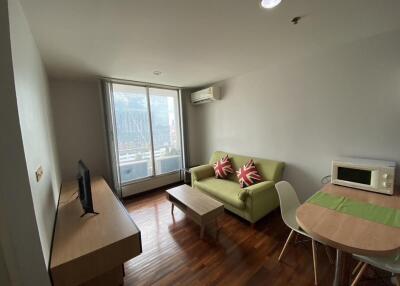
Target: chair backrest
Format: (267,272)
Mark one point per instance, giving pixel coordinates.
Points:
(289,203)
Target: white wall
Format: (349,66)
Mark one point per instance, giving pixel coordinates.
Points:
(4,277)
(26,210)
(80,127)
(343,102)
(36,124)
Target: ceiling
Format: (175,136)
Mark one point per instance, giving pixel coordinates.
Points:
(194,42)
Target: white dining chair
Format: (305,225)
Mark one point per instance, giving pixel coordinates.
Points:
(387,263)
(289,202)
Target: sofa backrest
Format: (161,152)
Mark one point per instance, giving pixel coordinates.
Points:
(270,170)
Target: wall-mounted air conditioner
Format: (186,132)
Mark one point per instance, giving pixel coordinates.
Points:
(206,95)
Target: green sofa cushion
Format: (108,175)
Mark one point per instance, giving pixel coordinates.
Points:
(223,190)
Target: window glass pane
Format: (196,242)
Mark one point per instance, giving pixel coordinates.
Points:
(133,132)
(166,130)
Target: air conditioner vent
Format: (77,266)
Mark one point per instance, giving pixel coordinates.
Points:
(205,95)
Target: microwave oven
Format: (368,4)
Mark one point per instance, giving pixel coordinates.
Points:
(370,175)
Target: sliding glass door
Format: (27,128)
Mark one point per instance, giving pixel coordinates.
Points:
(147,132)
(165,128)
(133,132)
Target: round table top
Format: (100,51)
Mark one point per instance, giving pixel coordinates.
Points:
(349,233)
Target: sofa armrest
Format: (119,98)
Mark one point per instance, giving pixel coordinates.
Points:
(255,189)
(261,199)
(201,172)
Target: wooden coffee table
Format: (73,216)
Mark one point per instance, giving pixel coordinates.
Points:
(201,208)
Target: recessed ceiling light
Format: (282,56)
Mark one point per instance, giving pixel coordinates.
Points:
(269,4)
(156,72)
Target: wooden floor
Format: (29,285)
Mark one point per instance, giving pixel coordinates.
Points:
(173,253)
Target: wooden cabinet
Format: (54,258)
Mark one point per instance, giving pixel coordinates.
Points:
(91,250)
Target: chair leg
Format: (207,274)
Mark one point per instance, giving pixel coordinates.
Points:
(314,253)
(296,238)
(355,270)
(328,253)
(286,244)
(359,275)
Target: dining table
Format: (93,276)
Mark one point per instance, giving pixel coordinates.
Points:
(352,221)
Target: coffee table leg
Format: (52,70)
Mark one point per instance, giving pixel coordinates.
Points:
(217,229)
(202,227)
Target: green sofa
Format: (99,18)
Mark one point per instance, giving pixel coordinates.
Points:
(251,203)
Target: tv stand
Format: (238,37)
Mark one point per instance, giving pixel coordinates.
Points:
(91,250)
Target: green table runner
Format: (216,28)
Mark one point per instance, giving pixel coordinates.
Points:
(367,211)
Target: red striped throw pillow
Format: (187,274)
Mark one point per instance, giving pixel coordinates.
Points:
(248,175)
(223,168)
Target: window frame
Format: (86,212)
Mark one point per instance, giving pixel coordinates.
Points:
(112,124)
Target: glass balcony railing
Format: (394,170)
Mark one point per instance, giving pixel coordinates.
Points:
(132,170)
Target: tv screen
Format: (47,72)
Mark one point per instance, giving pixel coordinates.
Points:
(85,191)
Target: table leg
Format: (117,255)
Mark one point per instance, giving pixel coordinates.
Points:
(172,208)
(202,227)
(342,271)
(218,227)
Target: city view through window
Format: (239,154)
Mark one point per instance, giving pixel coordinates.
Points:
(137,139)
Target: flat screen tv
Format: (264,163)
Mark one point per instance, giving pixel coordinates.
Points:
(85,191)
